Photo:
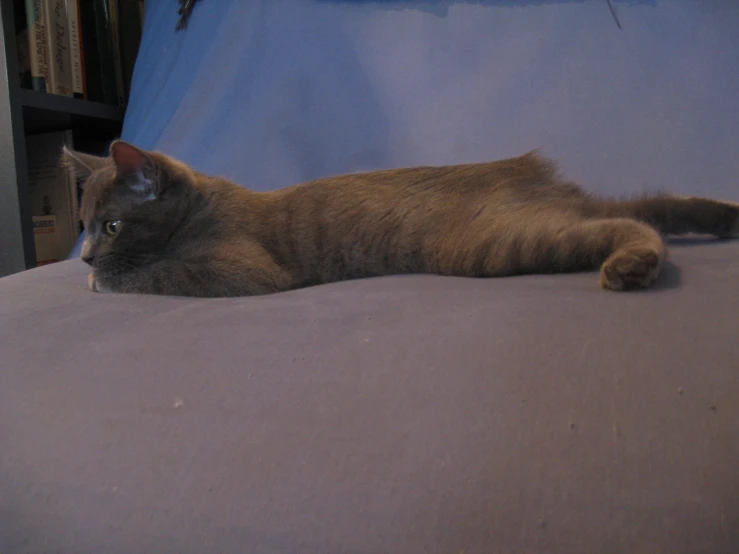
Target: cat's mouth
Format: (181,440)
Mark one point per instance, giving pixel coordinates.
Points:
(116,263)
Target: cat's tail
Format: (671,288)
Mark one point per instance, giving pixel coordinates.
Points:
(676,215)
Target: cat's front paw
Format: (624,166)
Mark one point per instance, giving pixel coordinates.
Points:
(94,283)
(631,268)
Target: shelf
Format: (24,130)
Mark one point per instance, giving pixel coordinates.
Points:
(71,106)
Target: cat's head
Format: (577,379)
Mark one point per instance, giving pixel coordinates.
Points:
(131,203)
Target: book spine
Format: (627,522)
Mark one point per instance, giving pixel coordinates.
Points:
(45,239)
(74,197)
(130,25)
(57,36)
(115,34)
(90,51)
(49,191)
(79,88)
(105,52)
(36,44)
(24,59)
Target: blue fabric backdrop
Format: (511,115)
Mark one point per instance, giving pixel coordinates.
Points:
(273,93)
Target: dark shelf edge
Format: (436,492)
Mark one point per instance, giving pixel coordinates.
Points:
(73,106)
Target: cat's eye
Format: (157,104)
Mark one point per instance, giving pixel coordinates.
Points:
(111,227)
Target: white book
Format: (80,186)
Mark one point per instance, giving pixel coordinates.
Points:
(45,239)
(38,48)
(60,58)
(75,48)
(53,187)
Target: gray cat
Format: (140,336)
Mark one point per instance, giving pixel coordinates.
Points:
(156,226)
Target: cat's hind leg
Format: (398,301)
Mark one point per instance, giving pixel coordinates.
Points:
(629,253)
(634,252)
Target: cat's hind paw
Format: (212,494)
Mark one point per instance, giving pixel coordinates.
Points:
(636,267)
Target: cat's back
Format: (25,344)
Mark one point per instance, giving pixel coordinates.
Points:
(411,194)
(528,169)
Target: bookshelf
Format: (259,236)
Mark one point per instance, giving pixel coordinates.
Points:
(24,112)
(71,106)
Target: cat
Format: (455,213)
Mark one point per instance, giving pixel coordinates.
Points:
(153,225)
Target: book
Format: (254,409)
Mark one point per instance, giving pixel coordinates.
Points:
(74,17)
(130,36)
(104,38)
(59,58)
(53,187)
(45,239)
(24,58)
(37,47)
(81,48)
(115,35)
(93,73)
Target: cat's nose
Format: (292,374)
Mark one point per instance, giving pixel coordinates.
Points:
(88,252)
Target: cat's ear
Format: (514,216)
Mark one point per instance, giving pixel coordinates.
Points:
(135,168)
(83,164)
